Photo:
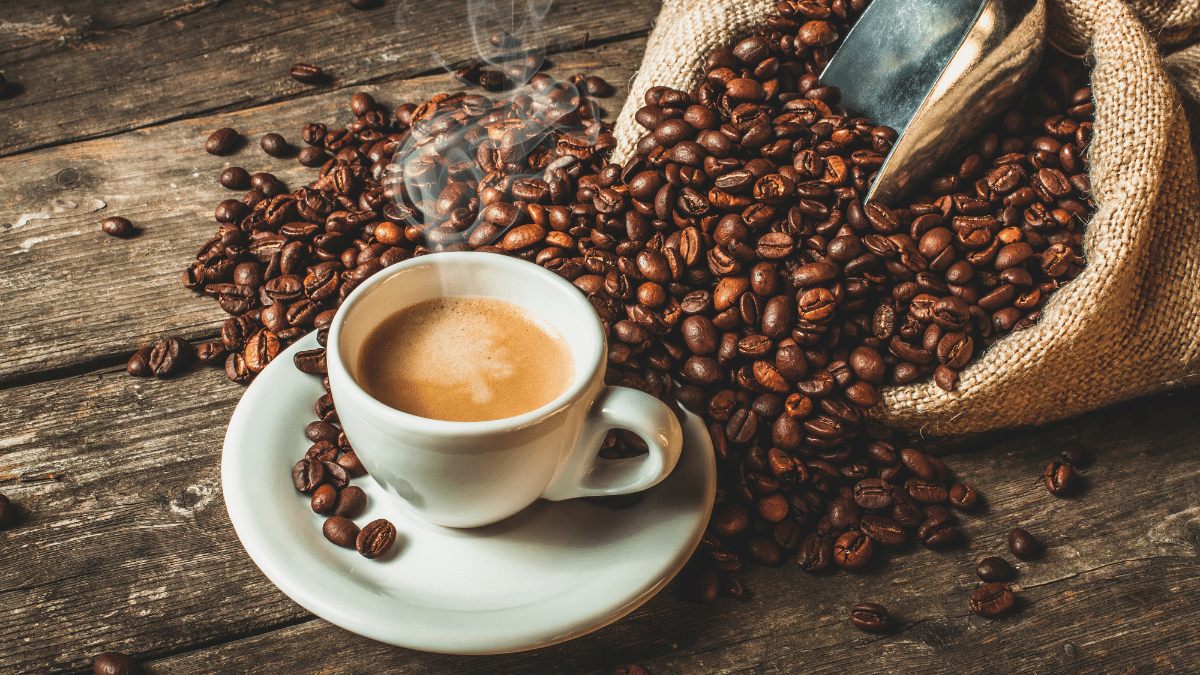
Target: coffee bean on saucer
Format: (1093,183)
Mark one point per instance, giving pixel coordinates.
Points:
(376,538)
(324,498)
(350,502)
(341,531)
(311,362)
(114,663)
(869,617)
(336,474)
(325,409)
(322,451)
(321,431)
(353,466)
(308,474)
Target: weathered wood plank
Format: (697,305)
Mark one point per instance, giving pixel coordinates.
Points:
(83,70)
(132,550)
(75,297)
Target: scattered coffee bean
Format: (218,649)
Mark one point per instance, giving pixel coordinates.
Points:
(114,663)
(308,474)
(274,145)
(1060,479)
(870,617)
(139,363)
(852,550)
(234,178)
(1022,544)
(994,569)
(341,531)
(993,599)
(311,362)
(302,72)
(963,496)
(169,357)
(117,227)
(630,669)
(361,103)
(312,156)
(376,538)
(8,513)
(222,141)
(350,502)
(324,498)
(1074,454)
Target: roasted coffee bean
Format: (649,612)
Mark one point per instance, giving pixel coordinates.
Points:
(302,72)
(883,530)
(816,552)
(222,141)
(341,531)
(350,502)
(211,352)
(873,493)
(323,499)
(852,550)
(376,538)
(321,431)
(261,349)
(963,496)
(1022,544)
(308,474)
(993,599)
(139,363)
(311,361)
(629,669)
(870,617)
(169,357)
(1073,453)
(353,466)
(936,531)
(926,492)
(274,145)
(1059,478)
(993,569)
(115,663)
(117,226)
(8,512)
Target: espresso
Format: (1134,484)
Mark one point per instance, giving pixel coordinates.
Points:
(465,359)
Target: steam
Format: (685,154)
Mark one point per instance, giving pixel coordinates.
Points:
(443,169)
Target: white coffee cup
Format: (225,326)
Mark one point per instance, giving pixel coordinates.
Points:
(467,474)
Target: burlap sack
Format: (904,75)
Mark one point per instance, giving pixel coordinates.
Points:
(1128,325)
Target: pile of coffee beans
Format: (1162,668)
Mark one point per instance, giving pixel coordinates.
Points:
(731,260)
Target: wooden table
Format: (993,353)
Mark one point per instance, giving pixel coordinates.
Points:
(124,543)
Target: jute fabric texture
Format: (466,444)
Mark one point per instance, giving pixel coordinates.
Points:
(1128,325)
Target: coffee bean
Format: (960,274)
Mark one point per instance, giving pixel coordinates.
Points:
(274,145)
(8,512)
(598,87)
(350,502)
(311,361)
(234,178)
(1073,453)
(852,550)
(139,363)
(169,357)
(936,531)
(1059,478)
(629,669)
(323,499)
(993,569)
(883,530)
(1022,544)
(222,141)
(115,663)
(308,474)
(993,599)
(376,538)
(117,226)
(869,617)
(341,531)
(963,496)
(302,72)
(873,493)
(815,553)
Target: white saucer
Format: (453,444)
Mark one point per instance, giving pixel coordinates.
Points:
(555,571)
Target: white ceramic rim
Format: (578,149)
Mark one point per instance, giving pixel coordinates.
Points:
(585,367)
(299,572)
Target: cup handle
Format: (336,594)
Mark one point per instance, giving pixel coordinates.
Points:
(587,475)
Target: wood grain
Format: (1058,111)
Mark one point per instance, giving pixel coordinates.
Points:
(83,69)
(78,299)
(132,550)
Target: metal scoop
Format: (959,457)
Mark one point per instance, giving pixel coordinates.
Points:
(936,71)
